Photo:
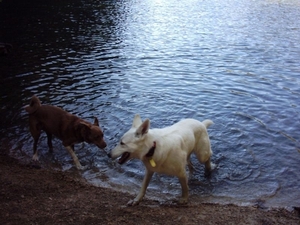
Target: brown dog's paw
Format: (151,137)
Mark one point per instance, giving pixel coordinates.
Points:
(80,167)
(35,158)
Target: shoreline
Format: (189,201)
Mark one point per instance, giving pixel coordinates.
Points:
(30,195)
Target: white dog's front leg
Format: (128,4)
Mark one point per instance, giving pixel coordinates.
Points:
(185,190)
(142,192)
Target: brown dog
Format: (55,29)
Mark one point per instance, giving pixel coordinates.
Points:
(65,126)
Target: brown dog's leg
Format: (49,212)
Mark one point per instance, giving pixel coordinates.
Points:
(49,137)
(36,137)
(70,149)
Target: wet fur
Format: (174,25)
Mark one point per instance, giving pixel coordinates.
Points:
(65,126)
(173,147)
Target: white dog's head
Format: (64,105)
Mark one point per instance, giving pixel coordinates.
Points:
(133,143)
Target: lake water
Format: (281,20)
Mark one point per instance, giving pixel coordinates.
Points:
(234,62)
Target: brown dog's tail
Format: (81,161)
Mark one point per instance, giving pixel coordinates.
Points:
(34,105)
(207,123)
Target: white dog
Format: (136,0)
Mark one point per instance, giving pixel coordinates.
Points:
(165,150)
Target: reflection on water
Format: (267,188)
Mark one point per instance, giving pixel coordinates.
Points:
(235,62)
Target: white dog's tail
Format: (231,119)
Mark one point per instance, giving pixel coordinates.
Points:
(207,123)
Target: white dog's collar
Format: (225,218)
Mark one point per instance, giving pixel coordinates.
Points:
(151,150)
(150,154)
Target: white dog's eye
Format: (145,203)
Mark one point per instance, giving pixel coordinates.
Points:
(122,143)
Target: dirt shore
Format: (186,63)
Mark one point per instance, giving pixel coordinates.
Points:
(31,195)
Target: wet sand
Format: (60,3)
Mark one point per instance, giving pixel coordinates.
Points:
(31,195)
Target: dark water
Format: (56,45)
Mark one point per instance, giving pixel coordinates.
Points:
(234,62)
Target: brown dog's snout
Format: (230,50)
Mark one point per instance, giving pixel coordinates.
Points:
(102,145)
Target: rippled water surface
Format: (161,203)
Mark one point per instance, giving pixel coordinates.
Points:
(234,62)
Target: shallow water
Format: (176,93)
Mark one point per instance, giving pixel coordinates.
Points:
(234,62)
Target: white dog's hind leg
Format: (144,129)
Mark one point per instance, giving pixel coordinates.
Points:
(191,167)
(185,190)
(142,192)
(209,166)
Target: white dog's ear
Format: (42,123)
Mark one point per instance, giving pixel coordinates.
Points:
(143,128)
(136,121)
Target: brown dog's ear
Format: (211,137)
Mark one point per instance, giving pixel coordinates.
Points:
(85,130)
(96,122)
(143,128)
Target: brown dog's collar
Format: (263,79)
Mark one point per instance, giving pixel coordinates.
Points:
(151,150)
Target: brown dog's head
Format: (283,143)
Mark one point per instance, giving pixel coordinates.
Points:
(92,133)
